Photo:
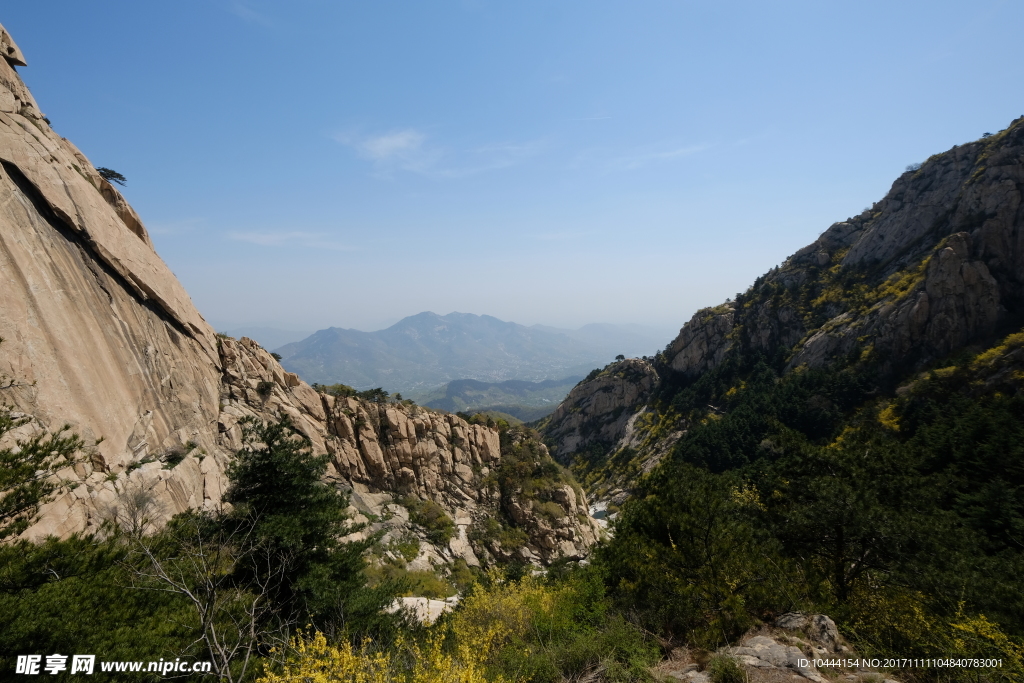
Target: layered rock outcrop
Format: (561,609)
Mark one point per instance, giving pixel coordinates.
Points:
(98,334)
(388,453)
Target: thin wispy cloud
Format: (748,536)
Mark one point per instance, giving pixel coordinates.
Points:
(399,150)
(290,238)
(244,11)
(400,144)
(410,150)
(638,160)
(607,160)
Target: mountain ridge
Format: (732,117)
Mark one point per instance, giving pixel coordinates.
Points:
(936,265)
(427,350)
(860,409)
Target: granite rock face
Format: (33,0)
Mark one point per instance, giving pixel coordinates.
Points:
(949,233)
(936,265)
(956,302)
(98,334)
(598,410)
(97,331)
(703,341)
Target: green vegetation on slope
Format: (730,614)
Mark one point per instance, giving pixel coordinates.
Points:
(899,513)
(561,628)
(897,510)
(268,585)
(224,588)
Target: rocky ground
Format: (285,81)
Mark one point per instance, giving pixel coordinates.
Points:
(782,652)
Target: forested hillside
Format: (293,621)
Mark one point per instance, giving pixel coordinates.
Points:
(846,436)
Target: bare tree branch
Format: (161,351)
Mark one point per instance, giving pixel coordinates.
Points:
(233,619)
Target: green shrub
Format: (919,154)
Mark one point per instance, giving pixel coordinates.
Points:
(339,390)
(491,529)
(725,669)
(139,463)
(407,546)
(560,629)
(426,513)
(462,575)
(173,456)
(419,583)
(553,511)
(265,387)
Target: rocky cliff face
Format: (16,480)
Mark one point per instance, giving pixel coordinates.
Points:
(938,264)
(598,409)
(98,334)
(389,453)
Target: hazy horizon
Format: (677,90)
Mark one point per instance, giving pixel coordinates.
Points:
(270,324)
(274,337)
(303,165)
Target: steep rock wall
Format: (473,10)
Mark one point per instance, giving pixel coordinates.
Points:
(98,334)
(598,410)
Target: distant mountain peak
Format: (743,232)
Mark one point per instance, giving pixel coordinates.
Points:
(427,350)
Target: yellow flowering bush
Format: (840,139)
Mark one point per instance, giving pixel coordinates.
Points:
(313,660)
(502,632)
(455,651)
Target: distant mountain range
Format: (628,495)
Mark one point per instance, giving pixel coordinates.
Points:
(425,351)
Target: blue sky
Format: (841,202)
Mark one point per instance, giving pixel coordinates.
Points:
(308,164)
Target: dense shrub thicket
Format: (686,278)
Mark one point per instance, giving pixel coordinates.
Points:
(546,630)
